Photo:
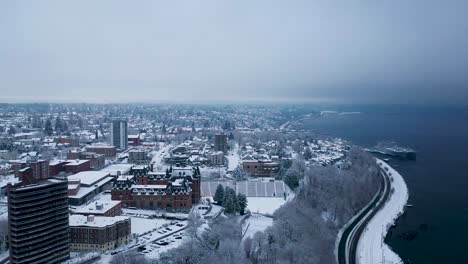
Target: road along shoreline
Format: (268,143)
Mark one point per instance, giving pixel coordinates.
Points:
(371,247)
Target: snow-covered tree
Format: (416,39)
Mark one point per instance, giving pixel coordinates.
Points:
(242,201)
(230,203)
(219,194)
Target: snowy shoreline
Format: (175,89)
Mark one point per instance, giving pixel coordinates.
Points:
(371,248)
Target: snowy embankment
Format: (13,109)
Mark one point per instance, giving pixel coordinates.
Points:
(371,248)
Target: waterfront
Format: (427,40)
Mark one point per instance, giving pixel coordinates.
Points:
(437,180)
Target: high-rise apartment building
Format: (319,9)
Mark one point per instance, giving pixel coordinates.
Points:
(38,227)
(119,134)
(220,143)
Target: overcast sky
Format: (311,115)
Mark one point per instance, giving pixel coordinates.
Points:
(371,51)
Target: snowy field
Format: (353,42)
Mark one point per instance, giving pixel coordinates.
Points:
(257,223)
(370,247)
(264,205)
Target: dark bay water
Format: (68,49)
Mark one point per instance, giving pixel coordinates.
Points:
(437,180)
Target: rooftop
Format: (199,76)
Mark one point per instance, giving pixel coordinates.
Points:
(99,221)
(114,169)
(89,177)
(96,207)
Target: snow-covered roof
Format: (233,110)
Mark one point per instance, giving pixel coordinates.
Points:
(99,221)
(83,191)
(114,169)
(100,146)
(97,207)
(125,177)
(8,179)
(89,177)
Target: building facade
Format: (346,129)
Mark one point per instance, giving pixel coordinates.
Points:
(107,151)
(261,168)
(97,161)
(119,134)
(31,171)
(171,190)
(38,222)
(220,143)
(138,156)
(98,233)
(216,158)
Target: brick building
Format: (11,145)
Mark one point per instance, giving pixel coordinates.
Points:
(134,140)
(69,166)
(97,161)
(261,168)
(30,171)
(98,233)
(175,189)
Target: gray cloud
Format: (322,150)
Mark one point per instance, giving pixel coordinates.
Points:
(124,51)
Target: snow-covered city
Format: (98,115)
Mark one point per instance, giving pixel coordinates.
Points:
(233,132)
(140,188)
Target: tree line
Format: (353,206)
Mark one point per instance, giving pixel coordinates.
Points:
(231,202)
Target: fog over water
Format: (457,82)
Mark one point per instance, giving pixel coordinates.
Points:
(328,51)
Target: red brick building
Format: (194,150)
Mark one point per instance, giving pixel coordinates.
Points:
(174,189)
(75,166)
(69,166)
(134,140)
(97,161)
(30,171)
(261,168)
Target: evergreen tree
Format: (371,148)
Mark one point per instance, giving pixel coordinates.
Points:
(219,195)
(48,128)
(242,201)
(231,206)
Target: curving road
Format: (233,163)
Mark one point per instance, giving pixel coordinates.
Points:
(350,237)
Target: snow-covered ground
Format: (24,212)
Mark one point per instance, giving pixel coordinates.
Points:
(233,158)
(171,232)
(257,223)
(371,248)
(264,205)
(142,225)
